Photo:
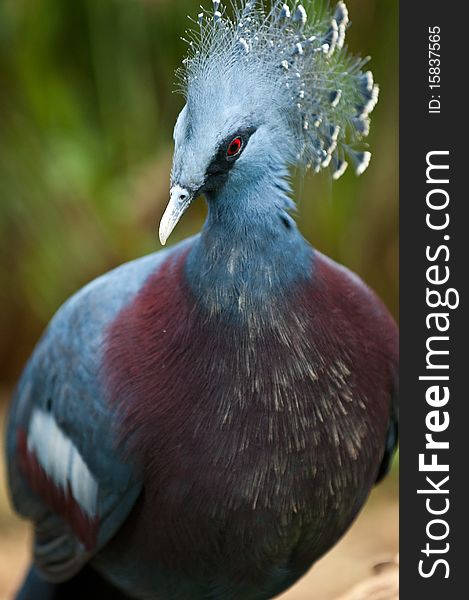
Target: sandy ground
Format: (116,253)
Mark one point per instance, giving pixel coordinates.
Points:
(373,538)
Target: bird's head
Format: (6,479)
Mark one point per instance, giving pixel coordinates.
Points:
(266,89)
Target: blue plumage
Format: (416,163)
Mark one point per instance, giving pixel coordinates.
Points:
(207,421)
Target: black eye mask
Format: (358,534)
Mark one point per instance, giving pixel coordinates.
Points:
(223,161)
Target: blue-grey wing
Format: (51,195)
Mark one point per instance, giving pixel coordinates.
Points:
(66,472)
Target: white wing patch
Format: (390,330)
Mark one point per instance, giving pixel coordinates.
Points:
(62,461)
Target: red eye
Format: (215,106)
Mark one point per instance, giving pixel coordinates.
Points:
(234,147)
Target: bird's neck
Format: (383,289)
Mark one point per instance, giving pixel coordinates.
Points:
(250,252)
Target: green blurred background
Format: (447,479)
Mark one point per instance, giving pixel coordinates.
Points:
(86,116)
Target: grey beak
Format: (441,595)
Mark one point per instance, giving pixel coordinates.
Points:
(179,200)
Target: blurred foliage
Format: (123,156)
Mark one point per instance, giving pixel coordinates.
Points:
(86,115)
